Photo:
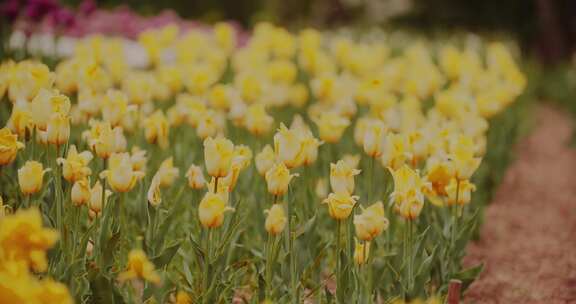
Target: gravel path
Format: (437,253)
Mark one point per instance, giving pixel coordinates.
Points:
(528,241)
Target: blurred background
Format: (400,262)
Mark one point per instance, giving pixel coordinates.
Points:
(545,28)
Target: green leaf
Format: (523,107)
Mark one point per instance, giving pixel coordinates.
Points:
(468,276)
(306,227)
(166,256)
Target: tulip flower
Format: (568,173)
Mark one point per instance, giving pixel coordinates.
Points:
(9,146)
(288,146)
(80,193)
(342,177)
(276,219)
(331,126)
(211,210)
(195,177)
(120,174)
(265,160)
(463,157)
(277,178)
(45,104)
(459,192)
(30,177)
(139,267)
(95,203)
(167,173)
(218,154)
(75,165)
(340,205)
(156,129)
(371,222)
(257,121)
(374,138)
(101,139)
(154,195)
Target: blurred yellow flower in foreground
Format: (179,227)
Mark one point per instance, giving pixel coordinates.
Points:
(22,238)
(139,267)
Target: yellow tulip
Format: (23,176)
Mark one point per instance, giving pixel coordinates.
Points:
(139,267)
(30,177)
(54,292)
(154,195)
(101,138)
(75,165)
(395,151)
(80,193)
(361,252)
(408,192)
(218,154)
(156,129)
(58,130)
(257,121)
(275,220)
(463,157)
(138,159)
(371,222)
(47,103)
(310,146)
(95,202)
(265,160)
(277,178)
(340,205)
(21,120)
(9,146)
(373,140)
(342,177)
(22,238)
(288,146)
(120,175)
(195,177)
(167,173)
(353,160)
(331,126)
(211,210)
(459,192)
(298,95)
(438,174)
(115,107)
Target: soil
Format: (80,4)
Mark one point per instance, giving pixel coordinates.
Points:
(528,239)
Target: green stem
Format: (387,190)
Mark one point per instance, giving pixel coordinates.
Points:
(269,266)
(339,289)
(206,284)
(293,277)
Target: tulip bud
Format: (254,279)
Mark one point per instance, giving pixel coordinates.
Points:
(154,195)
(374,138)
(80,194)
(30,177)
(96,198)
(277,178)
(218,154)
(265,160)
(361,252)
(9,146)
(342,177)
(340,205)
(195,177)
(371,222)
(211,210)
(276,219)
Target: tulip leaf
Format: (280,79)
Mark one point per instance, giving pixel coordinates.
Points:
(166,256)
(467,276)
(306,227)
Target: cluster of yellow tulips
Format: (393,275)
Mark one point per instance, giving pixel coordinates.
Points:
(359,190)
